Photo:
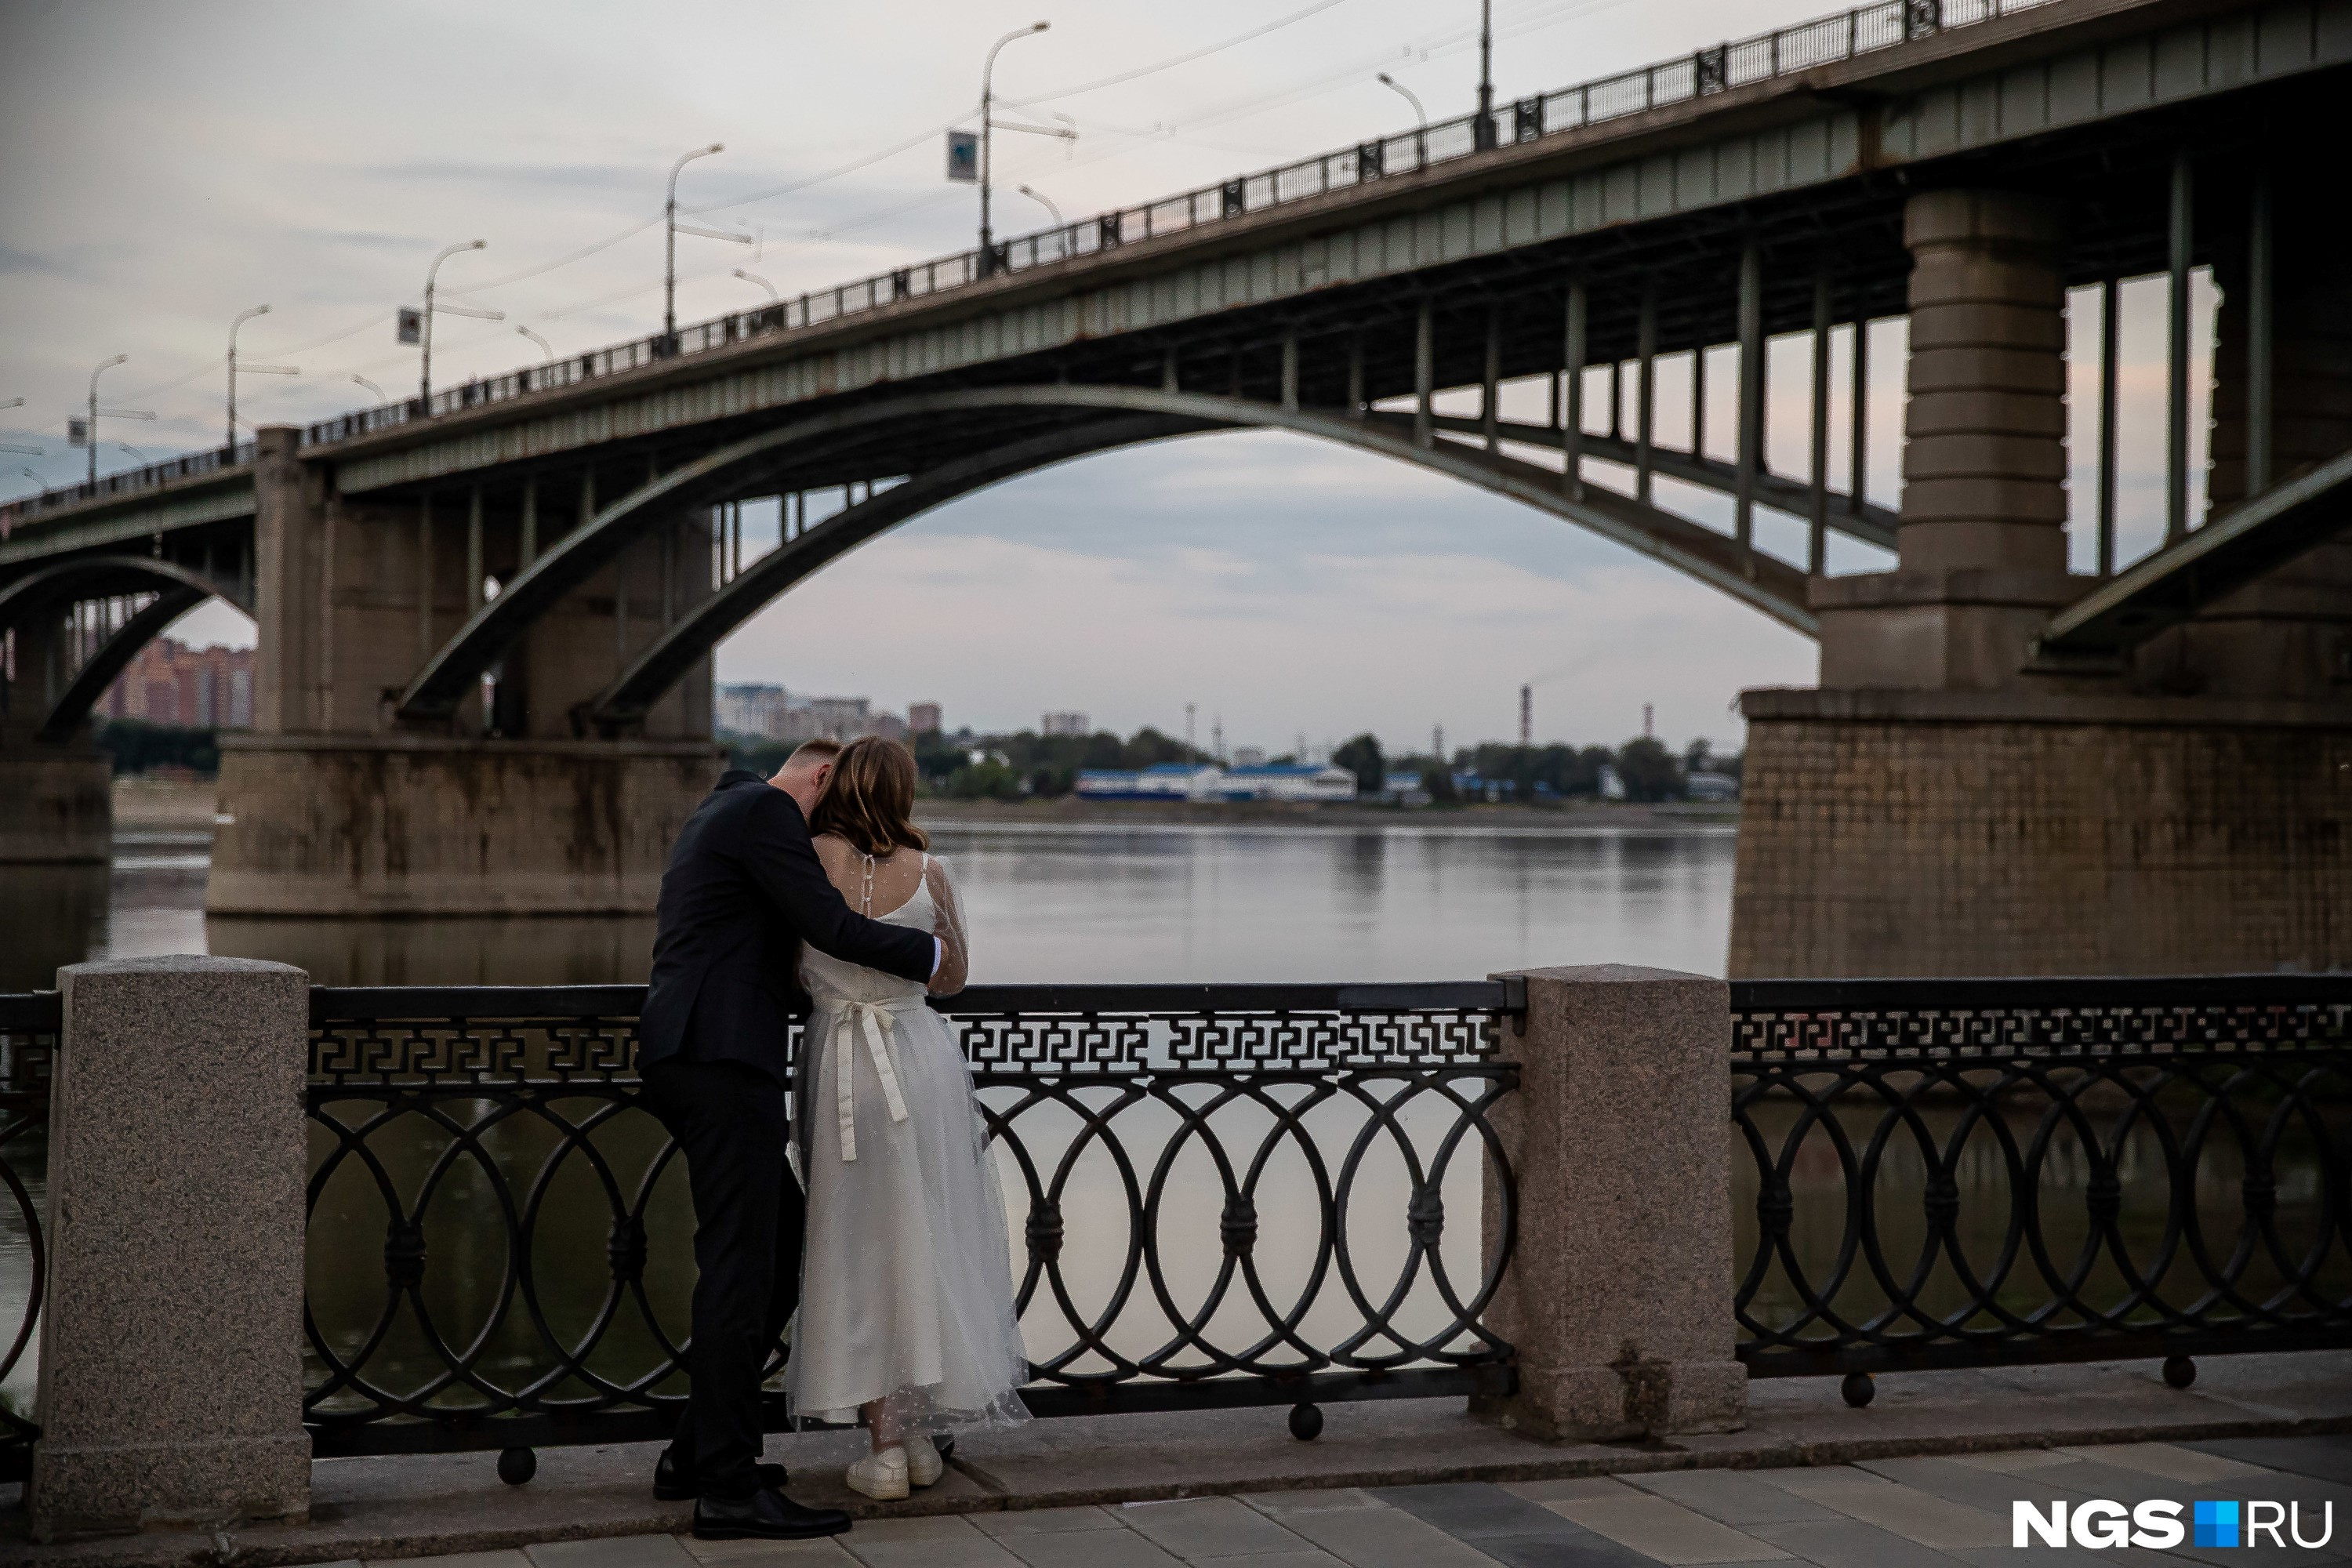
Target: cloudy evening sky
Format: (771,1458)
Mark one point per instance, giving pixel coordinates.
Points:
(163,166)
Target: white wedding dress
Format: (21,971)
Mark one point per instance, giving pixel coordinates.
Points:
(906,1285)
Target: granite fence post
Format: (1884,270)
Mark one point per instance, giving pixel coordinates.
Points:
(171,1379)
(1618,1293)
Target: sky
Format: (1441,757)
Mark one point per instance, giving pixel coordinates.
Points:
(165,166)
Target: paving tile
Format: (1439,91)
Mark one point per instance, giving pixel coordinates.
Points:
(1194,1528)
(1096,1549)
(612,1552)
(2323,1458)
(508,1559)
(1004,1523)
(1665,1531)
(1915,1515)
(1312,1500)
(946,1540)
(1851,1543)
(1384,1537)
(1991,1490)
(1510,1530)
(1567,1489)
(2014,1461)
(824,1554)
(1729,1497)
(2169,1461)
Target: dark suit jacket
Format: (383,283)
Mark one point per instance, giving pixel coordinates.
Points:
(743,889)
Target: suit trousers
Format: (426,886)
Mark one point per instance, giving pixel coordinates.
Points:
(729,1121)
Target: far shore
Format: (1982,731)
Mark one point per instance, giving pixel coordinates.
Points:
(146,803)
(941,811)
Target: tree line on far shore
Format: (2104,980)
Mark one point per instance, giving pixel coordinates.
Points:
(1026,764)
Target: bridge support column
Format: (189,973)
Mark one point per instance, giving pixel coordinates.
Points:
(331,806)
(1935,808)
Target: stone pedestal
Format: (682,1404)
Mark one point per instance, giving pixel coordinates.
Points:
(57,804)
(399,824)
(1618,1293)
(171,1379)
(1901,833)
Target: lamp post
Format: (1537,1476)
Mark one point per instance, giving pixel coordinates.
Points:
(754,278)
(1483,134)
(987,138)
(1044,201)
(243,317)
(669,265)
(424,375)
(545,347)
(89,433)
(359,380)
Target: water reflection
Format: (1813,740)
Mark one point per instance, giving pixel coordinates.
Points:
(544,949)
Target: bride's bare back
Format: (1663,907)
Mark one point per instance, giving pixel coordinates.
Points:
(879,884)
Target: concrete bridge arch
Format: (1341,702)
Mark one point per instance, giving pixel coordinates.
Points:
(1079,421)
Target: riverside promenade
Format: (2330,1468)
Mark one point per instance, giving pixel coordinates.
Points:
(1925,1477)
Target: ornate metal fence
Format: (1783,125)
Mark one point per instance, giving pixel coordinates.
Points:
(28,1043)
(1230,1195)
(1951,1173)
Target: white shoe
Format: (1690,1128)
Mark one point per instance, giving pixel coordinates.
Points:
(924,1464)
(882,1476)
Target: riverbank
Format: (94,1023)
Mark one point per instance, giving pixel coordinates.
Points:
(149,803)
(1920,1464)
(1571,815)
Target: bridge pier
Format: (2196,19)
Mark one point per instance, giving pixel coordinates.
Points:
(1937,807)
(334,807)
(60,804)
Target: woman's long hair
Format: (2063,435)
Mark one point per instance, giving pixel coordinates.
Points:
(870,800)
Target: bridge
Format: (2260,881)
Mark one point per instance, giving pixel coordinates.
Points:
(486,621)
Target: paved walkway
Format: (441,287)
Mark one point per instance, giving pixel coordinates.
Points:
(1888,1513)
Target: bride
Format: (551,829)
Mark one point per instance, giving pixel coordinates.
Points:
(905,1317)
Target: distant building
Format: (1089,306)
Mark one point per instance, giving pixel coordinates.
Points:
(1703,786)
(1249,756)
(1064,724)
(1612,784)
(1403,789)
(1168,780)
(747,710)
(1288,781)
(923,719)
(168,682)
(773,714)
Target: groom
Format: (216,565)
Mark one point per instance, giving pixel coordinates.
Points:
(743,889)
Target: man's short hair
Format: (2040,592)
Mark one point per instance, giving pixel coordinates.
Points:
(811,753)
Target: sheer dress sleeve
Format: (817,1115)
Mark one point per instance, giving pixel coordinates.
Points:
(955,950)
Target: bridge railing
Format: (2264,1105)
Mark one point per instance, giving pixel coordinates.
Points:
(1229,1196)
(1826,40)
(28,1043)
(1956,1172)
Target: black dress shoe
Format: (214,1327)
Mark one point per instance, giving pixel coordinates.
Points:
(671,1485)
(766,1515)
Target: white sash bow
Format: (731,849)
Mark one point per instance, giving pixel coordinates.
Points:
(851,1024)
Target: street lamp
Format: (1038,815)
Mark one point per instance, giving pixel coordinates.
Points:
(425,372)
(1411,96)
(773,297)
(244,317)
(89,431)
(1044,201)
(544,346)
(671,225)
(987,127)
